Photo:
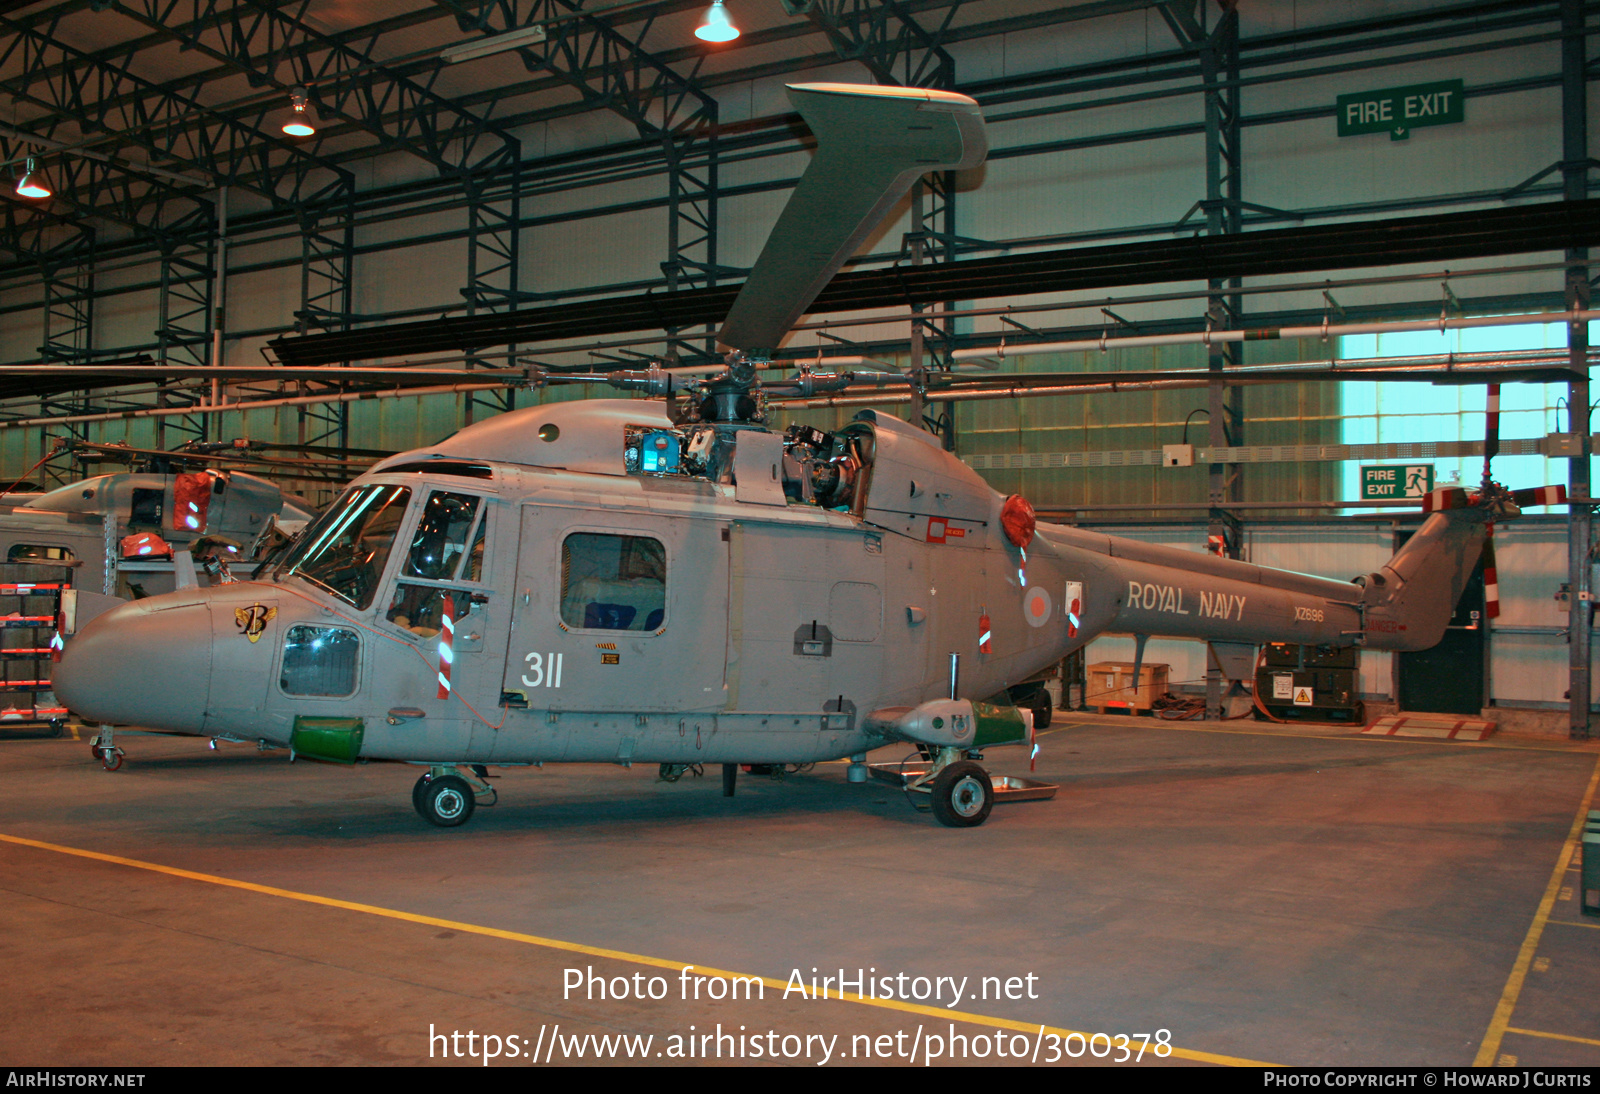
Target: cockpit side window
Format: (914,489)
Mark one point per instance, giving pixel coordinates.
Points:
(432,587)
(440,542)
(474,567)
(346,550)
(613,582)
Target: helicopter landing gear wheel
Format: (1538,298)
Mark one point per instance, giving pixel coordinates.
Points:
(962,795)
(109,755)
(446,801)
(418,790)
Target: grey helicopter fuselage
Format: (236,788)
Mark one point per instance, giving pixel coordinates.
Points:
(603,612)
(86,521)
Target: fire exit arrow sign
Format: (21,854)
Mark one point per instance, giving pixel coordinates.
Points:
(1398,110)
(1386,483)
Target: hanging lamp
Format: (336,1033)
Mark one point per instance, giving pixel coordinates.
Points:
(32,184)
(716,26)
(303,122)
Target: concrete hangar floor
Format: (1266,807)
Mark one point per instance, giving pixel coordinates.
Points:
(1290,896)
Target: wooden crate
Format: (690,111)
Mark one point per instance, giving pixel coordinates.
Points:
(1111,686)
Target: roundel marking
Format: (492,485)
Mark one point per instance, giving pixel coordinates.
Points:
(1036,607)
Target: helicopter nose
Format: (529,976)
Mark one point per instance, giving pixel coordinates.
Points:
(145,663)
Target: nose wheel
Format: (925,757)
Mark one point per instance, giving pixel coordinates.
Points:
(104,749)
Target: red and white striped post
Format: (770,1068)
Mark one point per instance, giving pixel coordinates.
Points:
(447,639)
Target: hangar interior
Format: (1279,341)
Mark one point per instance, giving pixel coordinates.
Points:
(519,188)
(621,158)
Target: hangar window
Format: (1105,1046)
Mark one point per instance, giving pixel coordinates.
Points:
(37,552)
(320,661)
(1380,413)
(613,583)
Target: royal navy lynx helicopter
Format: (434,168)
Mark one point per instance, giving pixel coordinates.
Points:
(170,519)
(627,581)
(125,527)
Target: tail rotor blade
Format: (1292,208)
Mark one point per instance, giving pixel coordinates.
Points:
(1491,430)
(1539,495)
(1444,497)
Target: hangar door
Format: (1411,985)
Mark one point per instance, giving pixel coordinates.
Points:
(1451,677)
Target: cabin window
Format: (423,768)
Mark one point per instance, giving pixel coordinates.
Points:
(346,549)
(440,541)
(37,552)
(613,583)
(320,661)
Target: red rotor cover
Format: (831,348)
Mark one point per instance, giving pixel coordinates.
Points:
(145,545)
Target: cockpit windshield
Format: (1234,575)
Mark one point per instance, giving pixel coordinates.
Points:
(346,549)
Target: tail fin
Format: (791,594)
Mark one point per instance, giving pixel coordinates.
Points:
(1409,602)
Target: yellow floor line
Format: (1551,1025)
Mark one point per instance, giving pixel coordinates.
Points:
(1489,1051)
(1552,1036)
(1575,923)
(1355,734)
(591,951)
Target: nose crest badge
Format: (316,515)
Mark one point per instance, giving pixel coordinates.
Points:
(252,620)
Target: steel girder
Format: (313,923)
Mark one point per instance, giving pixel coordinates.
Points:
(67,337)
(609,68)
(183,321)
(1580,515)
(1398,241)
(884,37)
(94,188)
(1217,48)
(494,255)
(83,93)
(273,45)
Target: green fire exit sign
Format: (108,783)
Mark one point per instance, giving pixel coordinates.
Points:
(1388,482)
(1398,110)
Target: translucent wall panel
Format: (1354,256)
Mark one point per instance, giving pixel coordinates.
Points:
(1379,413)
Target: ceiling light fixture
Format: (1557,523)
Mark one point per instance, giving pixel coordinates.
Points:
(302,123)
(32,184)
(716,26)
(515,39)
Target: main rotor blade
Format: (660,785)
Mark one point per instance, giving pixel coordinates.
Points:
(872,144)
(1401,371)
(323,374)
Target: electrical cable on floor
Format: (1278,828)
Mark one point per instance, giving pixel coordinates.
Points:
(917,801)
(1178,708)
